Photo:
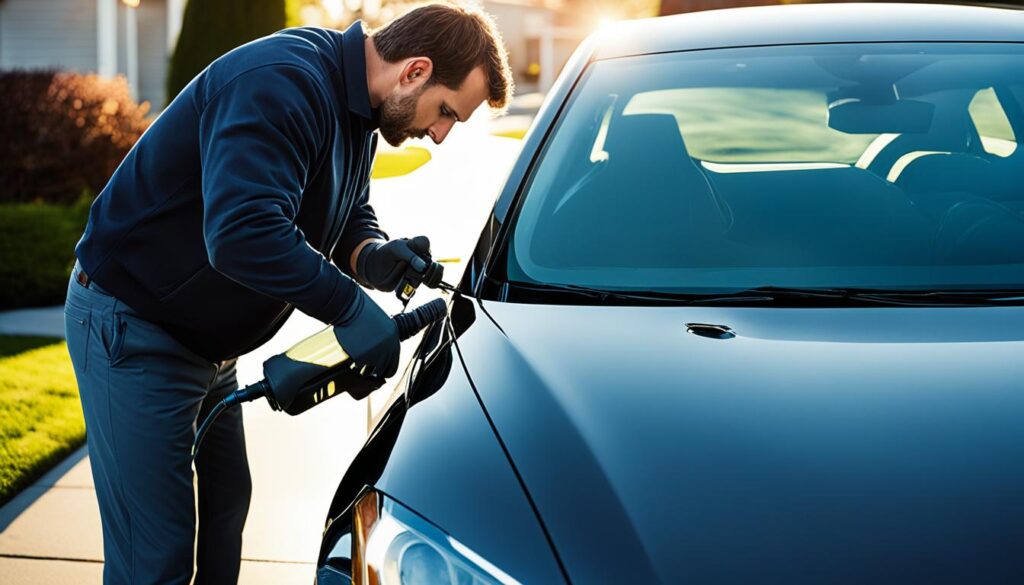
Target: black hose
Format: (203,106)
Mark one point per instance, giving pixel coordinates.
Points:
(249,393)
(411,323)
(219,408)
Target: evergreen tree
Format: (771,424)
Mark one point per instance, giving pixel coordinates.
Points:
(211,28)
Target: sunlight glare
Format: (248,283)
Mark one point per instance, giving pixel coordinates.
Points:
(335,8)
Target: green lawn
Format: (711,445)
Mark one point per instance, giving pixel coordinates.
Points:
(40,416)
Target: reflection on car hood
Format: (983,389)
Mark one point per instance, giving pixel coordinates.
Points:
(818,445)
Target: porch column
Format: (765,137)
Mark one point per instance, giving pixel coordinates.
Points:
(175,14)
(106,36)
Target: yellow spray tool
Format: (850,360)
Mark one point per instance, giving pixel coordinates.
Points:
(317,369)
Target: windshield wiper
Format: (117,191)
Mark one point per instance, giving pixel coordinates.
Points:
(779,296)
(771,294)
(600,295)
(856,296)
(944,297)
(756,296)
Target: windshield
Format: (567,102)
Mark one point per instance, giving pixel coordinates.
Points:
(858,166)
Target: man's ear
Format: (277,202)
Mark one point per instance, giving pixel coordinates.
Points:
(416,71)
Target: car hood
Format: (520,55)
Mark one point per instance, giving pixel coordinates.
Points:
(817,445)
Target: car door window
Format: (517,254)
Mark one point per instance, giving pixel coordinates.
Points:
(739,125)
(993,126)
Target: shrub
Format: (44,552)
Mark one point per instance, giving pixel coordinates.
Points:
(37,251)
(64,133)
(211,28)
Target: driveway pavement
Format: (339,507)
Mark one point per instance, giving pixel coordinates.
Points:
(50,533)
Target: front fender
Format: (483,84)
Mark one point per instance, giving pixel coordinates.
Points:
(437,453)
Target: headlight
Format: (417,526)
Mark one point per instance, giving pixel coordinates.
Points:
(392,545)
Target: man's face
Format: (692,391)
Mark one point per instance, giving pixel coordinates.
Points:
(419,108)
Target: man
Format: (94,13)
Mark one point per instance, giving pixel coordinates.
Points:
(245,199)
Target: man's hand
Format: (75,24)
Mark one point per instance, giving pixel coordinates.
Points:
(382,264)
(370,338)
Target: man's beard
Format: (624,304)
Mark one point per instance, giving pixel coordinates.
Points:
(396,118)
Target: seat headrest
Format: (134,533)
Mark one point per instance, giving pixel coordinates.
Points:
(941,171)
(652,134)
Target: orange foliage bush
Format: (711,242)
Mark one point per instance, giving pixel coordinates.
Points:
(63,133)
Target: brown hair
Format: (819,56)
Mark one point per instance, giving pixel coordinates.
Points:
(457,39)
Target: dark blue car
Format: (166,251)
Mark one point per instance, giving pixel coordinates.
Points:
(749,309)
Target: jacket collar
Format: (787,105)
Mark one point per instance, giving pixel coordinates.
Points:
(353,54)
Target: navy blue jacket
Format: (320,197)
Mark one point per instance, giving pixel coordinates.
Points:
(225,214)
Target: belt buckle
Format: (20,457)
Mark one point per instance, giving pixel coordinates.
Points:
(82,278)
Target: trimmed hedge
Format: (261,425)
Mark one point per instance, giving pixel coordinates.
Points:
(64,133)
(37,251)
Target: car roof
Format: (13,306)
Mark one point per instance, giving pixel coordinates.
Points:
(808,23)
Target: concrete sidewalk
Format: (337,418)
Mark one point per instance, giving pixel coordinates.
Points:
(44,321)
(50,533)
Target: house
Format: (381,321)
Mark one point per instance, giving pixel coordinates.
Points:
(133,38)
(540,39)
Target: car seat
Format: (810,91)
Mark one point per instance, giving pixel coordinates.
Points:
(650,206)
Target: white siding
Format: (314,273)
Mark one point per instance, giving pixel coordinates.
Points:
(48,33)
(62,34)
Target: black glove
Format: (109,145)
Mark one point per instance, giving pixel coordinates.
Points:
(381,265)
(370,338)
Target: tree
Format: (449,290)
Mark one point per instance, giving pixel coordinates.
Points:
(211,28)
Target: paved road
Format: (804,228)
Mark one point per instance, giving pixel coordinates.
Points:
(51,532)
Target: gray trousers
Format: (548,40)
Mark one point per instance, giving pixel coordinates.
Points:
(141,393)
